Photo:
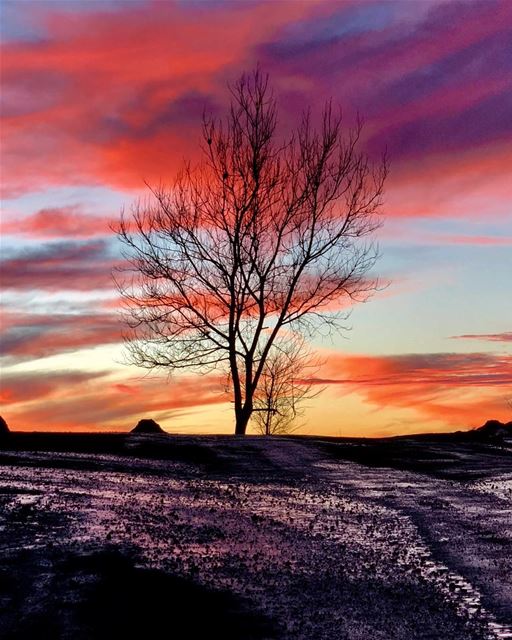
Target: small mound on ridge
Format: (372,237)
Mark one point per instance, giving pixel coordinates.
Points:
(147,425)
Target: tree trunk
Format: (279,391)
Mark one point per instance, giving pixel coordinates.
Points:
(242,420)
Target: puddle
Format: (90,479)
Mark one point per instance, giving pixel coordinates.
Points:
(499,486)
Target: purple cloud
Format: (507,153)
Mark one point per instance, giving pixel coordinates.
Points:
(57,266)
(490,337)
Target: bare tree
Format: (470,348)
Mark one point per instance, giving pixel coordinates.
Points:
(266,234)
(285,384)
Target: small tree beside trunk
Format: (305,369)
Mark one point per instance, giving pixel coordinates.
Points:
(286,384)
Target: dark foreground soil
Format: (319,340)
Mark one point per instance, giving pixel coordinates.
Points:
(216,537)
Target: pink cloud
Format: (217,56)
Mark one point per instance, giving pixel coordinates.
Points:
(58,222)
(87,107)
(470,184)
(94,99)
(490,337)
(484,241)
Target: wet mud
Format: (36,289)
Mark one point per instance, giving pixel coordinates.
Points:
(254,538)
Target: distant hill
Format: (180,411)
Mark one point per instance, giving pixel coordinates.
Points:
(494,430)
(147,425)
(4,429)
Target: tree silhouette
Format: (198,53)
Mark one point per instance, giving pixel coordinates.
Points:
(285,384)
(266,234)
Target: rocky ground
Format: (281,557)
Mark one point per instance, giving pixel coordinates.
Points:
(218,537)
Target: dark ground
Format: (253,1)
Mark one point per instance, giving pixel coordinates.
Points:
(218,537)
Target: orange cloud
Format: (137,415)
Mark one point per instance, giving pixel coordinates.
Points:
(460,389)
(62,401)
(26,387)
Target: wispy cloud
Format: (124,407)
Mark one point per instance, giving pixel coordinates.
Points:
(457,388)
(30,336)
(57,222)
(22,388)
(86,107)
(506,336)
(74,401)
(57,266)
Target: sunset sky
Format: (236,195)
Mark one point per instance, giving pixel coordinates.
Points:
(99,96)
